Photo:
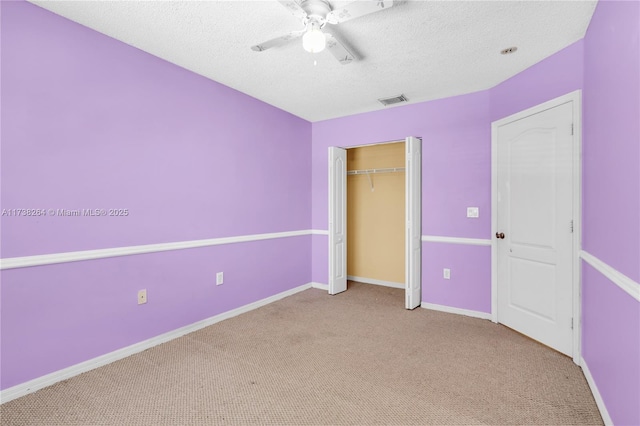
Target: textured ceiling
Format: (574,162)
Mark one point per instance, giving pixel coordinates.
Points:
(424,49)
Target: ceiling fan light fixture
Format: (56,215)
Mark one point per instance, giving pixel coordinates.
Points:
(314,40)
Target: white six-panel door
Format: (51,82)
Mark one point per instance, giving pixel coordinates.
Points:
(535,225)
(337,220)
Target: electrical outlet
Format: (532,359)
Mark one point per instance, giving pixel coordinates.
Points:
(142,297)
(473,212)
(219,278)
(446,273)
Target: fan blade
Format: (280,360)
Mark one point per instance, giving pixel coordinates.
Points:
(293,7)
(280,41)
(357,9)
(338,50)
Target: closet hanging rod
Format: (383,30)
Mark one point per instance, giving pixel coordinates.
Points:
(373,171)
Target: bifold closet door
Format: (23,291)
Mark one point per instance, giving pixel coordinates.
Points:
(413,211)
(337,220)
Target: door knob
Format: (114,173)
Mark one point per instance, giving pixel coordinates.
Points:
(500,235)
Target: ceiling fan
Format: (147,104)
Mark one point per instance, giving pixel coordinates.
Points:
(315,15)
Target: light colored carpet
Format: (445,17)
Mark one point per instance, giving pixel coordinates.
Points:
(355,358)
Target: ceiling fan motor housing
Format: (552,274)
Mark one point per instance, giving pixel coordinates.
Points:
(316,10)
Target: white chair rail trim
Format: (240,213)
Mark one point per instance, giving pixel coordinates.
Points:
(433,239)
(74,256)
(617,277)
(457,240)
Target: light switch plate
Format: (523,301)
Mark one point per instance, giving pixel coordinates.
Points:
(219,278)
(446,273)
(473,212)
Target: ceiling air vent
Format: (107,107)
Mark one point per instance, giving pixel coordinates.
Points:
(394,100)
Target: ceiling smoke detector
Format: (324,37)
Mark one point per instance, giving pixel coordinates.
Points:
(394,100)
(508,50)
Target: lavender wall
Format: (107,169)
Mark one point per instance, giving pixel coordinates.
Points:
(88,122)
(470,284)
(59,315)
(611,146)
(611,344)
(456,174)
(611,204)
(557,75)
(456,141)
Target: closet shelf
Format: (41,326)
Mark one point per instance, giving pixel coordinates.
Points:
(374,171)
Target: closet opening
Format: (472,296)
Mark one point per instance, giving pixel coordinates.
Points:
(376,214)
(375,217)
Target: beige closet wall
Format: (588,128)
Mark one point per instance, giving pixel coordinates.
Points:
(375,220)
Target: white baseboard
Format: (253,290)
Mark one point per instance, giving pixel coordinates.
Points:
(60,375)
(376,282)
(596,393)
(320,286)
(459,311)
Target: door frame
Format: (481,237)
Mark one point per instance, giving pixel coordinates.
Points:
(408,195)
(576,98)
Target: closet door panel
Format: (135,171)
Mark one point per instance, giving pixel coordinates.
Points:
(413,211)
(337,220)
